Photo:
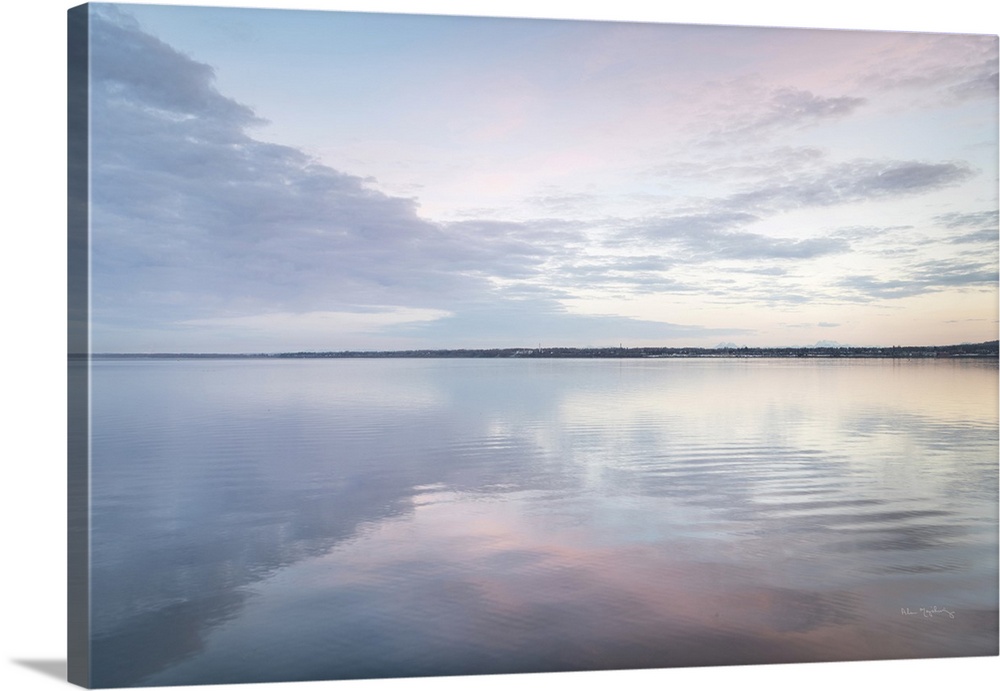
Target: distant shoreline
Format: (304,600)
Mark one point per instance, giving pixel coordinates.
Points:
(988,349)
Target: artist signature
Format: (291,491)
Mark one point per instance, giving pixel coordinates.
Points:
(926,612)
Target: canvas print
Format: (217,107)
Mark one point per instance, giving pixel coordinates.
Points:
(414,345)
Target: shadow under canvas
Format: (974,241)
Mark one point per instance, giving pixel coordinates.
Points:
(50,668)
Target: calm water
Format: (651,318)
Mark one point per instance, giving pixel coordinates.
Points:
(321,519)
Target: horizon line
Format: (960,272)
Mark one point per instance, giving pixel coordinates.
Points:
(720,349)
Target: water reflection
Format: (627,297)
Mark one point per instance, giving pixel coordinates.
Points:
(259,521)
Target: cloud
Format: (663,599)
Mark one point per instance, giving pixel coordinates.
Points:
(782,109)
(624,275)
(565,202)
(695,225)
(984,236)
(925,277)
(199,226)
(719,228)
(850,182)
(975,219)
(983,225)
(772,162)
(790,106)
(131,65)
(711,236)
(982,84)
(202,232)
(197,223)
(775,180)
(507,249)
(950,68)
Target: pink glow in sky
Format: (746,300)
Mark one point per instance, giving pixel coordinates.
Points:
(478,182)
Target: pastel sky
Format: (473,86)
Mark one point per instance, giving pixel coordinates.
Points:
(273,180)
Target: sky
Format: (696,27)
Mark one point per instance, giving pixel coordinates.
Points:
(273,181)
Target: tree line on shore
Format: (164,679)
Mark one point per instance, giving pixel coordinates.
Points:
(988,349)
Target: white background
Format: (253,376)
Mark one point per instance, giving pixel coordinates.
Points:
(32,251)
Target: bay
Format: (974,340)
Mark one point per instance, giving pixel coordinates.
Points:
(274,520)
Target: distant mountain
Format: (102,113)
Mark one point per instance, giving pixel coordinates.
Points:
(723,346)
(830,344)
